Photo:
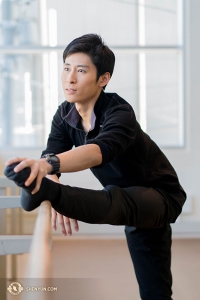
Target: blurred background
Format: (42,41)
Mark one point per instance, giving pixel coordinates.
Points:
(157,46)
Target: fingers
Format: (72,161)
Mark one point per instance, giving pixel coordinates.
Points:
(58,217)
(65,226)
(75,225)
(64,223)
(37,167)
(37,171)
(14,160)
(53,219)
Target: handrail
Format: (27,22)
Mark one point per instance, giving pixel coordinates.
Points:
(38,271)
(9,202)
(40,254)
(5,182)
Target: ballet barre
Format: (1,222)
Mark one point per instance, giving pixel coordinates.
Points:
(40,250)
(38,271)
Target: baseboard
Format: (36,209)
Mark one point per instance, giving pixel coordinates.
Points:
(186,230)
(179,230)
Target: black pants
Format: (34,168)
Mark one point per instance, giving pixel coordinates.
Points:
(146,214)
(150,250)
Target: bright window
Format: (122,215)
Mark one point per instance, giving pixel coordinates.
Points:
(145,35)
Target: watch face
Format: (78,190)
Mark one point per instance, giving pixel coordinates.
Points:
(54,161)
(53,158)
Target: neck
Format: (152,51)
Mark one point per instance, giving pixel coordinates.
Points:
(85,111)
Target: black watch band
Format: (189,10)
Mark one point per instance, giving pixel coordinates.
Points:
(53,160)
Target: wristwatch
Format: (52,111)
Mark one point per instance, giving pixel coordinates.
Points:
(53,160)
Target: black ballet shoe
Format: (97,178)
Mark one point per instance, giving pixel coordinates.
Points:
(49,190)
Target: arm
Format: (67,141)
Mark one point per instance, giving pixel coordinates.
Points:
(80,158)
(118,132)
(71,161)
(74,160)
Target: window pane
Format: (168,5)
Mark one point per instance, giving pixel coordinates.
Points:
(150,81)
(162,22)
(22,107)
(31,19)
(125,77)
(116,22)
(19,23)
(161,86)
(164,98)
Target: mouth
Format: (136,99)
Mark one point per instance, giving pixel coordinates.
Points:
(70,90)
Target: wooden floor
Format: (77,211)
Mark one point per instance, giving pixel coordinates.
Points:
(93,269)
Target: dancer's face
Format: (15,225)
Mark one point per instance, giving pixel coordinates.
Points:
(79,79)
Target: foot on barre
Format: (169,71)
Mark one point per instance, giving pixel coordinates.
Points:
(90,206)
(49,190)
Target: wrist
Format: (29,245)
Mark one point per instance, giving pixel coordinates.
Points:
(53,163)
(53,178)
(48,167)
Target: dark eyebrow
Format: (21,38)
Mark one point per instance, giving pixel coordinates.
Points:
(82,66)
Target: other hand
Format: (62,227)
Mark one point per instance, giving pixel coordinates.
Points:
(64,223)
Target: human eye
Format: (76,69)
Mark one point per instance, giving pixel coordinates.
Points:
(66,68)
(81,71)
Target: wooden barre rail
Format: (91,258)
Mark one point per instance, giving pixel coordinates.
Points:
(38,271)
(39,265)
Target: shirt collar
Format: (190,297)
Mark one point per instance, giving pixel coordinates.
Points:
(73,118)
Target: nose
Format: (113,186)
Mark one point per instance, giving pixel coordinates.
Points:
(71,77)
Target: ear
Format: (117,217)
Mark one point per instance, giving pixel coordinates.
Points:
(104,79)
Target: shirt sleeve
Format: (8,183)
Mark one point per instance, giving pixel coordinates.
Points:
(118,132)
(59,140)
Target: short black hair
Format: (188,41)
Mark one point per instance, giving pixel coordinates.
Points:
(92,45)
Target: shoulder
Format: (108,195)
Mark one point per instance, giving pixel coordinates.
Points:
(116,100)
(117,112)
(117,105)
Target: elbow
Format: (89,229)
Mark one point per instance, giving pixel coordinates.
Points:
(97,158)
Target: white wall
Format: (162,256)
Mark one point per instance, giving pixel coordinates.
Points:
(186,161)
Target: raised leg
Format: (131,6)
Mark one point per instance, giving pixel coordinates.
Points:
(134,206)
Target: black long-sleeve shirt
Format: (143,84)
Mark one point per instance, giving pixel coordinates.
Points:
(130,157)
